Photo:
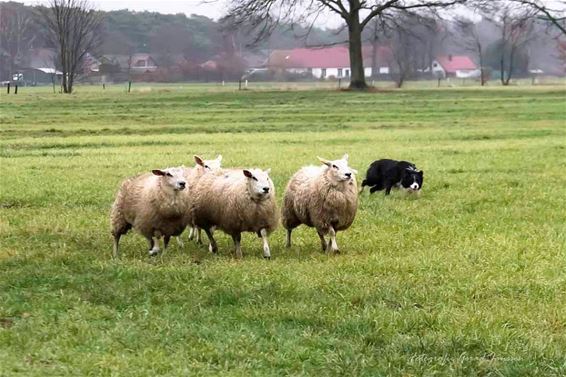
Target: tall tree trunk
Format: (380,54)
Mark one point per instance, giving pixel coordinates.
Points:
(358,81)
(483,79)
(374,46)
(510,70)
(502,70)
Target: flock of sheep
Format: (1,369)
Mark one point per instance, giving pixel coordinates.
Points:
(163,203)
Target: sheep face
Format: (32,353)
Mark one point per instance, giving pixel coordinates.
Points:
(338,170)
(209,165)
(260,186)
(172,177)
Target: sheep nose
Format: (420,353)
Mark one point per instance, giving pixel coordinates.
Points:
(182,184)
(348,175)
(266,190)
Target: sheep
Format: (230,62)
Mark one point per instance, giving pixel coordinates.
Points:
(154,204)
(236,201)
(192,175)
(324,197)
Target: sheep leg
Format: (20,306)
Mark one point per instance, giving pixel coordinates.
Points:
(180,242)
(198,235)
(116,249)
(323,242)
(212,246)
(266,250)
(191,233)
(288,244)
(237,238)
(332,245)
(166,240)
(153,246)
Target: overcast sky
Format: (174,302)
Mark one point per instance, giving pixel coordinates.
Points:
(210,8)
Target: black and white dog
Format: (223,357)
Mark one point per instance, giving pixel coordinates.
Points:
(386,174)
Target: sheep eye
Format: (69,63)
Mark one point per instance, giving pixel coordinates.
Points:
(254,178)
(169,174)
(206,167)
(335,167)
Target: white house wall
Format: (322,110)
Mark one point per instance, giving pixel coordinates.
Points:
(330,72)
(469,73)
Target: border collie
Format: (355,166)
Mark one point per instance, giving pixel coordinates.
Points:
(386,174)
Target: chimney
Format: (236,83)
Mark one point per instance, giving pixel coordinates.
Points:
(450,57)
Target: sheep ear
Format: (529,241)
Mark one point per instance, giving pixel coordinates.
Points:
(345,157)
(219,157)
(324,161)
(268,171)
(248,173)
(199,160)
(158,172)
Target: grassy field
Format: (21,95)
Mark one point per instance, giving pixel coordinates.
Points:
(470,279)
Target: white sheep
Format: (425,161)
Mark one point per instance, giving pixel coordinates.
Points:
(236,201)
(154,204)
(324,197)
(192,176)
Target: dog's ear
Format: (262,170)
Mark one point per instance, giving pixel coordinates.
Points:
(421,173)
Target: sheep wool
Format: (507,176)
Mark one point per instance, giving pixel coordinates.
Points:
(154,204)
(324,197)
(192,176)
(236,201)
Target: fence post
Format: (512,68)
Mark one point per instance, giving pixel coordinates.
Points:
(129,86)
(16,89)
(339,83)
(246,83)
(103,86)
(8,90)
(240,84)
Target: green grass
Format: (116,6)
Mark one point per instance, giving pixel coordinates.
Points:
(470,279)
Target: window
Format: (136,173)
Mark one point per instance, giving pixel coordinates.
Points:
(323,73)
(339,72)
(347,73)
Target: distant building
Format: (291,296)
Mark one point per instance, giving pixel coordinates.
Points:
(459,66)
(328,62)
(142,63)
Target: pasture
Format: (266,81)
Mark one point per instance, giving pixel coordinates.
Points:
(470,279)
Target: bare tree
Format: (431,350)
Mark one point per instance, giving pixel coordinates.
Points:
(473,42)
(16,36)
(516,25)
(556,14)
(74,27)
(263,16)
(409,35)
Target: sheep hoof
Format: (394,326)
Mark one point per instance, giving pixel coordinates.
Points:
(154,252)
(268,257)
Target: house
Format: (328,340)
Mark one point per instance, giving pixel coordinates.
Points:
(142,63)
(329,62)
(459,66)
(136,63)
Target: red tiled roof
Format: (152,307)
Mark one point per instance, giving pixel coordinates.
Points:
(451,64)
(329,57)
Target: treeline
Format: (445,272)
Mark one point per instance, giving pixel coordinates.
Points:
(183,45)
(123,32)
